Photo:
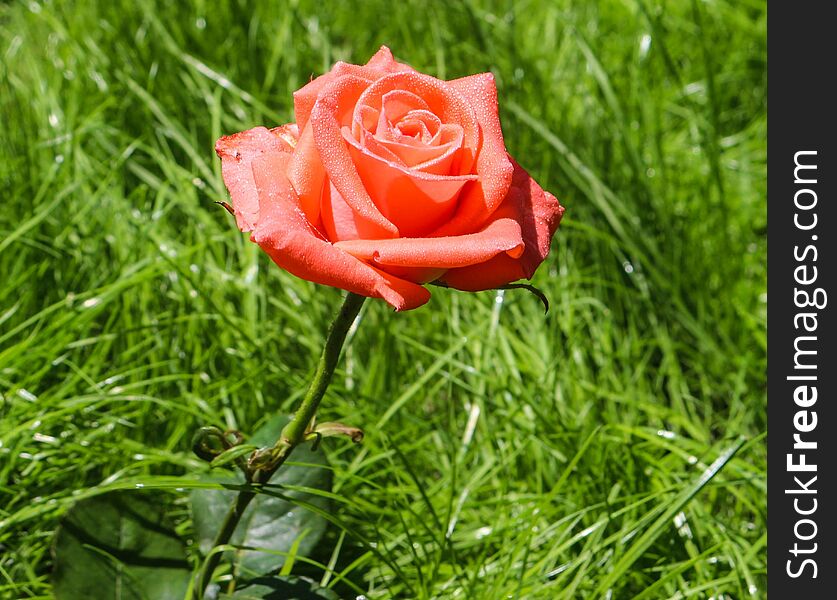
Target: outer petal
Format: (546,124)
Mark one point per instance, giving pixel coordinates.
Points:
(538,213)
(237,152)
(479,200)
(286,235)
(502,235)
(384,61)
(333,110)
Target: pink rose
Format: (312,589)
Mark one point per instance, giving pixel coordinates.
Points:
(390,179)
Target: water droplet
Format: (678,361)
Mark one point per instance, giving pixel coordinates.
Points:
(27,395)
(644,45)
(54,120)
(139,486)
(250,274)
(664,433)
(200,23)
(91,302)
(629,268)
(98,80)
(59,158)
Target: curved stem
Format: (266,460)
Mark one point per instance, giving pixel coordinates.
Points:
(293,433)
(296,429)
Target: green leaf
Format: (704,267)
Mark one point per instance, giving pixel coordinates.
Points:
(119,546)
(270,523)
(281,588)
(234,453)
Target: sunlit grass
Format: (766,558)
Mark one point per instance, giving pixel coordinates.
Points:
(507,454)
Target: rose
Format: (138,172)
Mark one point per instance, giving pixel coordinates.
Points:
(390,179)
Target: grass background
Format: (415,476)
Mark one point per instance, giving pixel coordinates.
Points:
(508,454)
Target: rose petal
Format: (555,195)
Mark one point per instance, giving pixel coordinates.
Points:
(417,156)
(237,153)
(307,174)
(365,119)
(502,235)
(421,157)
(414,201)
(538,213)
(338,219)
(286,235)
(449,137)
(442,100)
(382,60)
(397,103)
(493,165)
(306,96)
(495,272)
(539,216)
(333,110)
(379,65)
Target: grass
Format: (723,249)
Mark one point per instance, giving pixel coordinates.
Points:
(507,454)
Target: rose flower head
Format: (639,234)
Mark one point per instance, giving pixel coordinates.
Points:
(390,179)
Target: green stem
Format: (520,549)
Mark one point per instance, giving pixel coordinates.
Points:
(292,435)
